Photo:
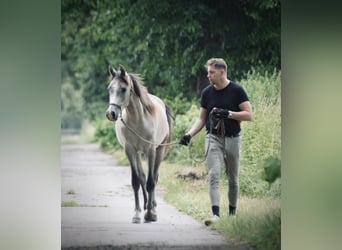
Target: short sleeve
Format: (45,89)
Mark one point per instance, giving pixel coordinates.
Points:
(242,95)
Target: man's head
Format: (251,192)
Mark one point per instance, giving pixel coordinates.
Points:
(217,63)
(217,70)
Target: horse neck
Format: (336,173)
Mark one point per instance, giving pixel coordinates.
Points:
(135,109)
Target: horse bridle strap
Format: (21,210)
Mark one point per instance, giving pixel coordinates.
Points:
(115,105)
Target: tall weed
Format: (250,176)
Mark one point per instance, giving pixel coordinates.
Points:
(262,136)
(258,222)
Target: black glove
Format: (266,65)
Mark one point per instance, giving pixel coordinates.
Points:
(220,113)
(185,139)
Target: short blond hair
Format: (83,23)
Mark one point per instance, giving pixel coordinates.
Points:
(218,63)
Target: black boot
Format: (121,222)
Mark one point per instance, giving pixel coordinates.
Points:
(232,210)
(216,210)
(215,217)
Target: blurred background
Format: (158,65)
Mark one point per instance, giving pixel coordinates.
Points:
(167,42)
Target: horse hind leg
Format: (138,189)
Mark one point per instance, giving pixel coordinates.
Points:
(150,214)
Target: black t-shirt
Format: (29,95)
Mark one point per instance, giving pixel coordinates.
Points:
(228,98)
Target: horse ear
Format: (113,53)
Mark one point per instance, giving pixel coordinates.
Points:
(112,71)
(123,71)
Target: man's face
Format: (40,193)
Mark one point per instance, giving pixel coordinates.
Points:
(214,74)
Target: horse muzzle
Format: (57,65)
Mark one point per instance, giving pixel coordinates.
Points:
(113,112)
(111,115)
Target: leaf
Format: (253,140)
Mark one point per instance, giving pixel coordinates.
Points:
(272,169)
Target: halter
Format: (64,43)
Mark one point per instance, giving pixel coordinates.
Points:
(116,105)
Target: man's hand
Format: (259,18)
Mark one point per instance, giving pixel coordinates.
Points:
(185,139)
(220,113)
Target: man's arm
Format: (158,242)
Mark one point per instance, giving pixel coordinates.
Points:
(245,114)
(199,123)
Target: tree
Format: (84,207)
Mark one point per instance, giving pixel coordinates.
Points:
(167,42)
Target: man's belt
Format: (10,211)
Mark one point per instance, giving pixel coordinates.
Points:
(231,135)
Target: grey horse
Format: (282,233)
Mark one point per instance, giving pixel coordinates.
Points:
(143,125)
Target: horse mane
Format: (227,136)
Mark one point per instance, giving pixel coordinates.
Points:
(141,91)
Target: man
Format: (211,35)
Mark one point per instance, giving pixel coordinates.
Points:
(224,104)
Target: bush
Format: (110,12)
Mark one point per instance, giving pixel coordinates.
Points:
(262,136)
(180,153)
(272,169)
(105,134)
(71,120)
(180,104)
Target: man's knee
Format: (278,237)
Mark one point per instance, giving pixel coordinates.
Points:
(214,176)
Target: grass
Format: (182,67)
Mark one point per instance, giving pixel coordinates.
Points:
(70,139)
(86,135)
(75,204)
(257,222)
(71,192)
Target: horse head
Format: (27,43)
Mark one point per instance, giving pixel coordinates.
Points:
(119,90)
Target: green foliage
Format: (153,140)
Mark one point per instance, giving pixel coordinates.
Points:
(182,124)
(262,137)
(179,104)
(71,101)
(167,42)
(71,120)
(272,169)
(105,134)
(261,229)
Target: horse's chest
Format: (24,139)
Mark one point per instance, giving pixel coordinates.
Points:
(139,138)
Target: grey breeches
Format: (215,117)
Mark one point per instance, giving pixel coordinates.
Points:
(225,154)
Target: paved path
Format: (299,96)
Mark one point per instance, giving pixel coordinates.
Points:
(102,218)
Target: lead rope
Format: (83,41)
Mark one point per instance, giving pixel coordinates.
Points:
(221,130)
(145,140)
(220,127)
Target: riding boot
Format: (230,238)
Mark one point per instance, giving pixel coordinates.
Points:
(232,210)
(216,210)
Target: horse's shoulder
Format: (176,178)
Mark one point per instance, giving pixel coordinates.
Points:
(157,101)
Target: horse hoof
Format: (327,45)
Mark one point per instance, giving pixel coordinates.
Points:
(136,220)
(150,216)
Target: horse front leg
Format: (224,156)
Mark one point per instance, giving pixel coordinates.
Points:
(142,178)
(135,181)
(151,215)
(136,186)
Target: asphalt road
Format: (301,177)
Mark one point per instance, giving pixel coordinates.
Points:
(103,209)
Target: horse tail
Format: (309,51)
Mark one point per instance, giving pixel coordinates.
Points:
(170,121)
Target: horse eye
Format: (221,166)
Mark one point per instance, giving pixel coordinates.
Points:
(123,90)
